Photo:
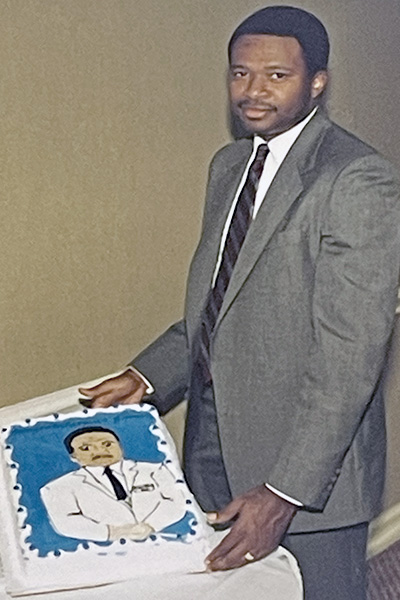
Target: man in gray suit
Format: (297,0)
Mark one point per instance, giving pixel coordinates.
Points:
(287,322)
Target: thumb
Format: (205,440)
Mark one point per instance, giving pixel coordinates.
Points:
(85,391)
(96,389)
(226,514)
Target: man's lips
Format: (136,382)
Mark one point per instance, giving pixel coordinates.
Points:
(254,111)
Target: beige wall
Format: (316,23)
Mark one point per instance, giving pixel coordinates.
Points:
(109,113)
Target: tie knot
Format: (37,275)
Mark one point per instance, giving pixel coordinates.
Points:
(262,152)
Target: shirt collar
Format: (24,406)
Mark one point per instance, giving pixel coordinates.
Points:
(97,471)
(280,145)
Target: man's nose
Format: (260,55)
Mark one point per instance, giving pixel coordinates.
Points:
(258,86)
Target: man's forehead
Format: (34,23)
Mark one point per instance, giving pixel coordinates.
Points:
(264,42)
(93,436)
(265,36)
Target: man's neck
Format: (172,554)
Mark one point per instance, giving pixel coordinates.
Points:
(297,126)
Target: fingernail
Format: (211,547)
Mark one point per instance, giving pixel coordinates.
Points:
(208,566)
(212,516)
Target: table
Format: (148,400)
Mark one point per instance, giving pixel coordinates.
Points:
(276,577)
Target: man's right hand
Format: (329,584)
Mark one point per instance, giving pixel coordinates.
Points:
(127,388)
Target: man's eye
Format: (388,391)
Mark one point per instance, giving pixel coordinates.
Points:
(277,76)
(238,74)
(84,448)
(107,444)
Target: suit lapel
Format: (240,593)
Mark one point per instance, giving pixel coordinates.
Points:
(130,472)
(279,200)
(221,196)
(283,192)
(90,480)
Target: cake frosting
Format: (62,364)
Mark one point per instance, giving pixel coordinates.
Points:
(93,497)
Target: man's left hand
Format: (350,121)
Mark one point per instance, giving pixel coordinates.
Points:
(261,520)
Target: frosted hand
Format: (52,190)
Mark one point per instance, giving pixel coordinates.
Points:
(135,531)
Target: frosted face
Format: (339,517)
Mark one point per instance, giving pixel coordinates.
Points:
(96,448)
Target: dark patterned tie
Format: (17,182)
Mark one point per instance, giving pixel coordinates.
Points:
(241,219)
(117,485)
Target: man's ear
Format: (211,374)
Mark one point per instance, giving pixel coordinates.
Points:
(319,83)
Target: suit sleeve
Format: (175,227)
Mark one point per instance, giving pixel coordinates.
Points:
(165,363)
(354,299)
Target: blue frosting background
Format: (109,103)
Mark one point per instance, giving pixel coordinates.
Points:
(41,456)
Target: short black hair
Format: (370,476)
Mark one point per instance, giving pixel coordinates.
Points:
(288,21)
(76,432)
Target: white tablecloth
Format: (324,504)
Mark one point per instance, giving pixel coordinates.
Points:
(274,578)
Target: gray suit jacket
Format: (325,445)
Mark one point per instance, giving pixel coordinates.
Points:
(300,342)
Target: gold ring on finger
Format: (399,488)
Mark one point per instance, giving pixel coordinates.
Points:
(249,557)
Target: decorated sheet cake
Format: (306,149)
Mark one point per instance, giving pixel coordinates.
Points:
(93,497)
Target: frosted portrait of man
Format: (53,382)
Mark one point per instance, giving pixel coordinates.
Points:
(110,497)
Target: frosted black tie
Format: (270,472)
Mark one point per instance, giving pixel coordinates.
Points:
(117,485)
(241,219)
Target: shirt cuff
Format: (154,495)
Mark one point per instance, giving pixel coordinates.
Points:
(284,496)
(150,388)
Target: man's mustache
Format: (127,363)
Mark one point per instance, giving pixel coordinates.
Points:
(257,105)
(97,456)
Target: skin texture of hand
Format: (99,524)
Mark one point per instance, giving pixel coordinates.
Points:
(127,388)
(138,531)
(261,520)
